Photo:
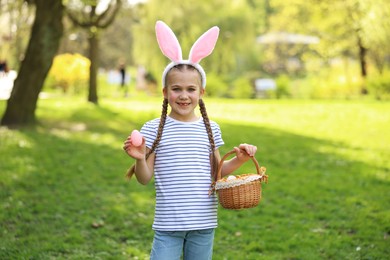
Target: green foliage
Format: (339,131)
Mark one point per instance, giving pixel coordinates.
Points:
(63,194)
(237,52)
(241,88)
(376,30)
(282,86)
(340,80)
(189,20)
(216,86)
(69,71)
(13,42)
(379,85)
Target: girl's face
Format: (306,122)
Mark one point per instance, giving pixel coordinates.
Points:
(183,91)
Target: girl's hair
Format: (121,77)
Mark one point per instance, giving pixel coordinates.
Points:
(213,159)
(206,120)
(163,117)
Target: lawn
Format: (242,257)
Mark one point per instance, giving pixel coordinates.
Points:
(63,194)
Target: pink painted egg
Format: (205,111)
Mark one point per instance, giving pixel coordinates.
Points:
(136,138)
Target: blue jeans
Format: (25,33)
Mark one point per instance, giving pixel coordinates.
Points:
(194,245)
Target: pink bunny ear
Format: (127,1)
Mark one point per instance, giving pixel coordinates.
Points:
(204,46)
(168,42)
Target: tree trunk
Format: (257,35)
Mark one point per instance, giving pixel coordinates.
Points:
(42,47)
(93,56)
(363,63)
(87,17)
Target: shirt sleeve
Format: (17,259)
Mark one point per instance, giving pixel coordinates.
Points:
(217,135)
(149,131)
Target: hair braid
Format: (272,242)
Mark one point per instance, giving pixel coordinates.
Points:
(163,118)
(206,120)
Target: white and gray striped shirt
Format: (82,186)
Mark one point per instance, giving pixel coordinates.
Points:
(182,175)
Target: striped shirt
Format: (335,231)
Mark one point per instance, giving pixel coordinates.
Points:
(182,175)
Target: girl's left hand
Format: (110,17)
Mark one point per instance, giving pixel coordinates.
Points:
(245,151)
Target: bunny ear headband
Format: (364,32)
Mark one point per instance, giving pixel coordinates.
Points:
(170,47)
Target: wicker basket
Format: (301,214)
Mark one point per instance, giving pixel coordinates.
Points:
(242,191)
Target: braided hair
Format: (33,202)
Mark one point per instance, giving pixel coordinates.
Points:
(163,118)
(206,120)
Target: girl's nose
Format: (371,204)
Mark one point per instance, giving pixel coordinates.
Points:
(183,95)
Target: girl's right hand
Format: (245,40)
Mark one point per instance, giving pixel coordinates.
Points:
(137,152)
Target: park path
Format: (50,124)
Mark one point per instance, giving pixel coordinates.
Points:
(6,84)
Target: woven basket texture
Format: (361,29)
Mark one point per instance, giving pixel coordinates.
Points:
(241,197)
(247,195)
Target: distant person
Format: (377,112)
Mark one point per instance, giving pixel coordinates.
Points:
(124,78)
(180,150)
(3,68)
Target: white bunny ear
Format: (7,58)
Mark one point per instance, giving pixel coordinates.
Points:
(204,46)
(168,42)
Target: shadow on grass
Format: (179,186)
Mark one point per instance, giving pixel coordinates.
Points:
(318,203)
(65,196)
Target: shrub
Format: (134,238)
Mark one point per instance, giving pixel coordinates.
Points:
(216,87)
(379,86)
(282,86)
(242,88)
(69,71)
(326,86)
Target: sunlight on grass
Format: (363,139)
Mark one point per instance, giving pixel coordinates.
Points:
(63,194)
(358,128)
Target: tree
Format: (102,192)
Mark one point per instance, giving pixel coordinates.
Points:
(43,44)
(93,16)
(358,29)
(117,40)
(17,19)
(376,31)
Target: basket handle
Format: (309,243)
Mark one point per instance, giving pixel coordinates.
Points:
(219,175)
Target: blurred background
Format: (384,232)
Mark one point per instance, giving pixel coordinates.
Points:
(266,49)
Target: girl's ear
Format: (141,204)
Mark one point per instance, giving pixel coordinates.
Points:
(202,91)
(165,92)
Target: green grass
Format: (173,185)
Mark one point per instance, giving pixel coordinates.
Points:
(63,194)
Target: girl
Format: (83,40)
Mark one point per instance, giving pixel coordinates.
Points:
(181,151)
